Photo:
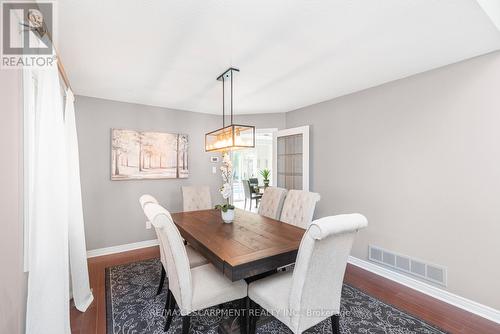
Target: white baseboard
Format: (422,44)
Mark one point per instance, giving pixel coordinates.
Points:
(443,295)
(121,248)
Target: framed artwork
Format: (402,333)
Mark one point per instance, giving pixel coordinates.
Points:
(148,155)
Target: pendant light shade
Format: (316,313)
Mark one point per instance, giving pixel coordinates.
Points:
(232,136)
(229,137)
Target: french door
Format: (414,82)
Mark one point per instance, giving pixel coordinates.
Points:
(291,158)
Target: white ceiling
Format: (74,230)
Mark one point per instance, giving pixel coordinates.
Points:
(291,53)
(492,8)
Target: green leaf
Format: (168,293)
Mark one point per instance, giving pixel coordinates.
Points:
(265,174)
(224,207)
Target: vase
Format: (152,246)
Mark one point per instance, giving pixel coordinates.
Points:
(266,183)
(228,216)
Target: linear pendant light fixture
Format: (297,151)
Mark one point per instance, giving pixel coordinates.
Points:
(234,135)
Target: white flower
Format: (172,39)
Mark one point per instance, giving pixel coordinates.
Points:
(227,177)
(225,190)
(226,160)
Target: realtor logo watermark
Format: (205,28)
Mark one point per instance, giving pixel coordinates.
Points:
(27,32)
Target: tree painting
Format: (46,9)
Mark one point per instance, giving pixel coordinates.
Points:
(148,155)
(182,156)
(122,145)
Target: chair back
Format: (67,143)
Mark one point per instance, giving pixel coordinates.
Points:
(179,272)
(254,183)
(247,188)
(272,202)
(196,198)
(320,267)
(146,199)
(298,208)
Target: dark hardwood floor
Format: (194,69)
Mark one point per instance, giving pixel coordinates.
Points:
(445,316)
(94,319)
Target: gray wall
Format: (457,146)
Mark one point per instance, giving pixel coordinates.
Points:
(111,208)
(420,157)
(13,281)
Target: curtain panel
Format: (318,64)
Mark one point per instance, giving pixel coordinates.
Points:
(56,250)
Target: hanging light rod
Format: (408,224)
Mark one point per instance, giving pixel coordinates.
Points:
(234,135)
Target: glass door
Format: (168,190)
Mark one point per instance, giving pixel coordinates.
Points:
(291,158)
(248,163)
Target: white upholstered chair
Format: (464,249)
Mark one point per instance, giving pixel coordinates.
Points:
(298,208)
(196,198)
(193,289)
(195,258)
(272,202)
(311,293)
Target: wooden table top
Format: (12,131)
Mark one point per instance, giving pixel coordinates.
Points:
(249,246)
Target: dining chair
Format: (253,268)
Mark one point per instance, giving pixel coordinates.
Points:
(250,194)
(196,198)
(272,202)
(192,289)
(298,208)
(254,184)
(310,293)
(253,181)
(195,258)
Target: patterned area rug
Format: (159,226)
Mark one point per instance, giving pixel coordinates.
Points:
(133,307)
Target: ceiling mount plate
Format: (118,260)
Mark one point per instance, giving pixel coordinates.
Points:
(227,74)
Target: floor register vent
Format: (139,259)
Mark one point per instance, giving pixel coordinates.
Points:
(429,272)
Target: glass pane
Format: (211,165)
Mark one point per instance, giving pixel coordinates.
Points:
(281,164)
(298,144)
(220,139)
(297,164)
(281,144)
(290,160)
(297,182)
(230,137)
(243,136)
(281,181)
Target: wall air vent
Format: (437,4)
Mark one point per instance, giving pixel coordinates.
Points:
(421,269)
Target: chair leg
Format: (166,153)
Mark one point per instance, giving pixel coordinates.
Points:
(167,302)
(170,308)
(252,317)
(186,322)
(336,324)
(243,315)
(162,280)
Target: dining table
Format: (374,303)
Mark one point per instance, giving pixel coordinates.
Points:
(251,246)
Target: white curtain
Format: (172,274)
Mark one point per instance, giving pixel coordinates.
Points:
(55,218)
(82,295)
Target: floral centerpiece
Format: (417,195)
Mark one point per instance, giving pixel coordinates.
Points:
(227,209)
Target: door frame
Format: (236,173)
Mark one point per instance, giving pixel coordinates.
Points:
(304,131)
